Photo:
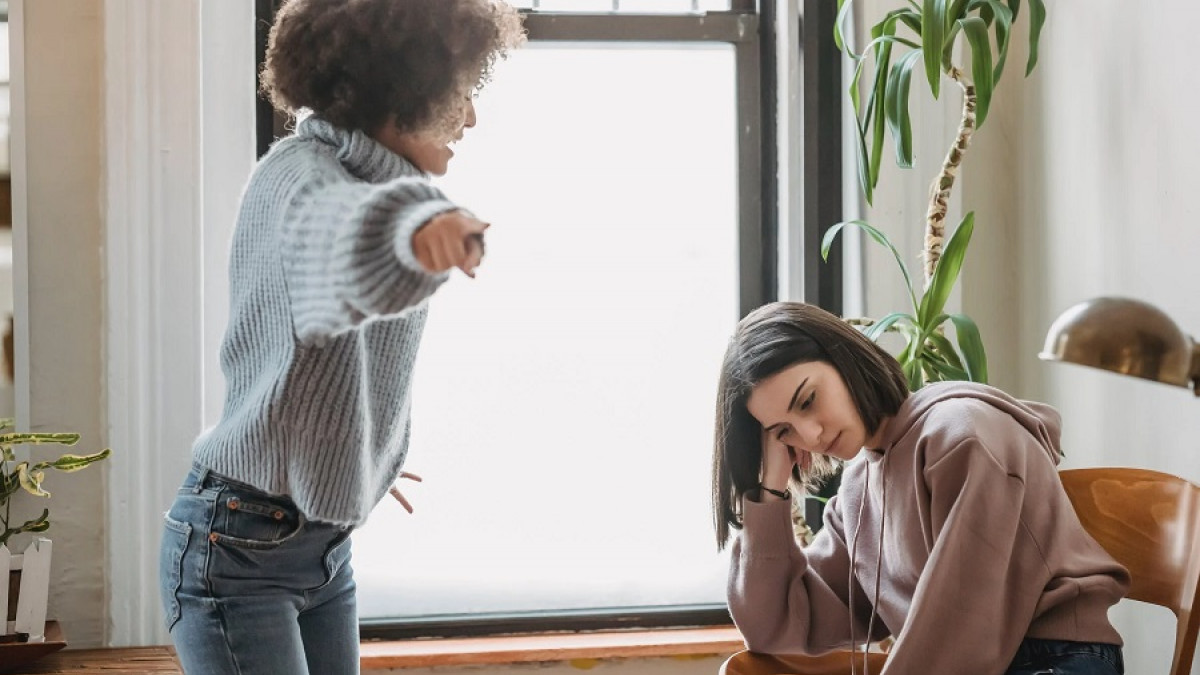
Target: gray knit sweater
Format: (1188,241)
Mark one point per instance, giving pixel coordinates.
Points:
(327,308)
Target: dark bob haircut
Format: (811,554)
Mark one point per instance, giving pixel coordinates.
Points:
(355,63)
(769,340)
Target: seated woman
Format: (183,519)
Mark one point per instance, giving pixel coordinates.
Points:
(951,530)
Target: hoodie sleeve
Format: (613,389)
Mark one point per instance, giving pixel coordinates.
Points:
(978,592)
(788,600)
(347,252)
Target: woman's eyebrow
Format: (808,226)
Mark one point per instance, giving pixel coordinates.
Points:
(796,395)
(792,404)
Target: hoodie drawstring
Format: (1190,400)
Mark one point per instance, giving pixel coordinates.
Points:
(862,503)
(878,568)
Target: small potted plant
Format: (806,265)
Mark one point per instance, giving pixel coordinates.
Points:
(22,475)
(24,577)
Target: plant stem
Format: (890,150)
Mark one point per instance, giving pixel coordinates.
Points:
(939,191)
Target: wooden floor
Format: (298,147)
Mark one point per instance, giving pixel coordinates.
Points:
(133,661)
(429,653)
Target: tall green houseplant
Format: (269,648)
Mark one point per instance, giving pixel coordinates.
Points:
(925,34)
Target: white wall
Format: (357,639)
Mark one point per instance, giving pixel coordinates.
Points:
(1083,182)
(57,233)
(1084,185)
(1106,204)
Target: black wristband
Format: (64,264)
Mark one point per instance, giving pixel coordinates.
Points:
(782,494)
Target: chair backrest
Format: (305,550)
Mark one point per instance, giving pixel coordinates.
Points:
(1150,522)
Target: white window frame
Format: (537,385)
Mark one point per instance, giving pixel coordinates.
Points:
(179,90)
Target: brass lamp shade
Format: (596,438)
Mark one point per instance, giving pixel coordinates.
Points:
(1125,336)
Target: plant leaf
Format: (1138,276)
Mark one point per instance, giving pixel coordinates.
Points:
(864,165)
(1037,18)
(872,115)
(9,487)
(945,275)
(896,108)
(948,47)
(69,463)
(1003,20)
(985,11)
(843,10)
(854,95)
(912,20)
(31,481)
(945,349)
(877,329)
(880,238)
(32,438)
(912,372)
(971,344)
(981,64)
(876,110)
(944,370)
(933,35)
(39,524)
(861,66)
(1015,6)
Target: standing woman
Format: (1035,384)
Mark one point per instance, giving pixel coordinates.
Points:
(951,530)
(340,242)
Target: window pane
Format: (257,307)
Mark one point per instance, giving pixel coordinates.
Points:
(631,6)
(563,402)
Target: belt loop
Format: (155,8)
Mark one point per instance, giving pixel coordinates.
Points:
(200,479)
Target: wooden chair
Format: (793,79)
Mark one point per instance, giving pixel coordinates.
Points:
(1149,521)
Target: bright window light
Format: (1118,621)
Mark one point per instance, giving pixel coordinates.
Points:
(563,401)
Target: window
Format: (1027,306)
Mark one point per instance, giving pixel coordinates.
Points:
(563,401)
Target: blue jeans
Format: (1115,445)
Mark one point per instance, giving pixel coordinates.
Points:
(250,586)
(1060,657)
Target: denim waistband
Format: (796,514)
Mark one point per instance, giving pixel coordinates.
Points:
(201,478)
(1036,649)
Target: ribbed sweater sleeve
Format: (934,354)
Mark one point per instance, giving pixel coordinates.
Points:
(347,252)
(788,600)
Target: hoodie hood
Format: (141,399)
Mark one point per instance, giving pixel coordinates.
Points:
(1041,421)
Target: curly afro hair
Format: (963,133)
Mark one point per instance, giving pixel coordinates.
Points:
(357,62)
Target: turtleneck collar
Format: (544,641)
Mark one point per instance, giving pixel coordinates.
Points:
(362,155)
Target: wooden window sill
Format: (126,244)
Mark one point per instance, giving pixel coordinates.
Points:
(574,647)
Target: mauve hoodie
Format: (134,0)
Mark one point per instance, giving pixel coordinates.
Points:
(980,546)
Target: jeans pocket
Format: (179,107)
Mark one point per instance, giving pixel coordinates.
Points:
(249,520)
(170,566)
(336,557)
